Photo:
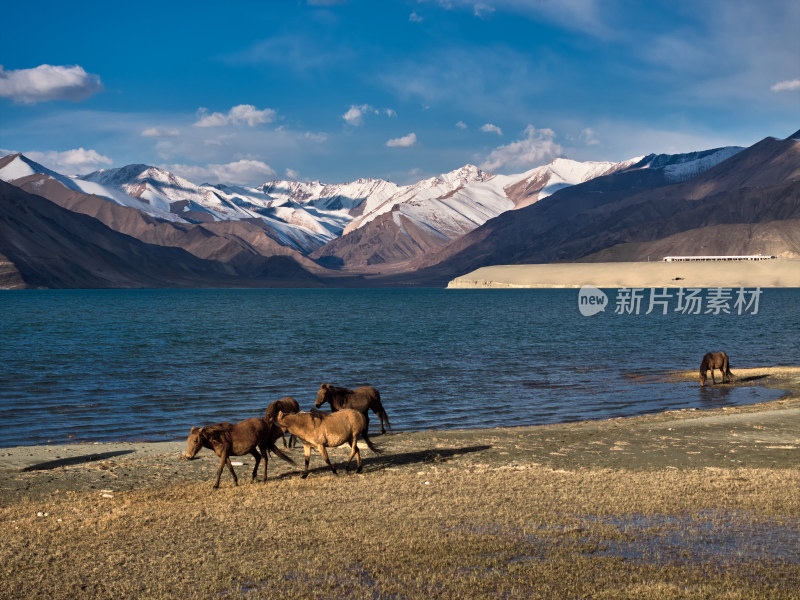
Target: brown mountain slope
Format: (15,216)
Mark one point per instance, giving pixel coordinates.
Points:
(53,247)
(389,238)
(243,245)
(590,217)
(775,238)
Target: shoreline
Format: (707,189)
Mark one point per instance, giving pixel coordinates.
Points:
(688,503)
(779,419)
(778,273)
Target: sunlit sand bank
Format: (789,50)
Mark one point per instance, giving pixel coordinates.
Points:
(768,273)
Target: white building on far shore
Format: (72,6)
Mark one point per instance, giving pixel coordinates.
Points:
(717,258)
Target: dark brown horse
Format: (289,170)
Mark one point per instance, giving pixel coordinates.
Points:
(287,405)
(321,431)
(715,360)
(362,399)
(227,440)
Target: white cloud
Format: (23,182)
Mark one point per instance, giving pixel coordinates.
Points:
(163,132)
(535,149)
(461,125)
(48,82)
(589,137)
(241,172)
(355,114)
(71,162)
(489,128)
(480,10)
(403,142)
(238,115)
(415,18)
(786,86)
(292,174)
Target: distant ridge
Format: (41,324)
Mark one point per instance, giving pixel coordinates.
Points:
(373,232)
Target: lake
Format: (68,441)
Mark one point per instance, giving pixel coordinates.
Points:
(112,365)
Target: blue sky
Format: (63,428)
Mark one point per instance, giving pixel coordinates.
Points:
(252,91)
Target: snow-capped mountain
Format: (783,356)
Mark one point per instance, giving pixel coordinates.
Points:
(18,166)
(314,217)
(355,197)
(680,167)
(541,182)
(292,226)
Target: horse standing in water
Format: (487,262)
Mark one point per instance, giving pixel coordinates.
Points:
(227,440)
(715,360)
(362,399)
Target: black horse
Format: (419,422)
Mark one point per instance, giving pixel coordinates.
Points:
(715,360)
(362,399)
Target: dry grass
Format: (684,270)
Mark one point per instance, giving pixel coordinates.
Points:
(516,532)
(691,504)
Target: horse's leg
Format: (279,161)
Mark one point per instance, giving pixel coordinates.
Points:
(224,460)
(713,380)
(324,454)
(358,455)
(265,454)
(307,453)
(366,420)
(258,460)
(725,370)
(353,450)
(378,411)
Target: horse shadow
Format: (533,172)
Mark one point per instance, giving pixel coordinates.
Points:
(75,460)
(748,379)
(381,461)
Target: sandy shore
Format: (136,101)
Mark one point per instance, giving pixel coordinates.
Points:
(762,435)
(767,273)
(687,504)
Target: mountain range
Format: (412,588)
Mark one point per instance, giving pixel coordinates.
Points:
(141,226)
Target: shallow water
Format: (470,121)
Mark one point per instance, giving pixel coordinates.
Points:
(107,365)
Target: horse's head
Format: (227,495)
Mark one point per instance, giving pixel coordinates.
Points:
(278,421)
(193,443)
(704,366)
(322,395)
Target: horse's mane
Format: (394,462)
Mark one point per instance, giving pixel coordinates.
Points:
(317,415)
(339,390)
(273,410)
(220,432)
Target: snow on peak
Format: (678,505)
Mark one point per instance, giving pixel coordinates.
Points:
(17,166)
(680,167)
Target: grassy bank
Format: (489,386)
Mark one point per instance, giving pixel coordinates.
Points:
(692,504)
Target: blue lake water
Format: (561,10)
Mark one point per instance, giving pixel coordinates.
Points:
(108,365)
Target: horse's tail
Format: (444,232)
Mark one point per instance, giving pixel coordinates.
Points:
(379,410)
(728,369)
(371,446)
(279,453)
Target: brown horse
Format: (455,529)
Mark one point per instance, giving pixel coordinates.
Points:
(361,399)
(321,431)
(288,405)
(228,440)
(715,360)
